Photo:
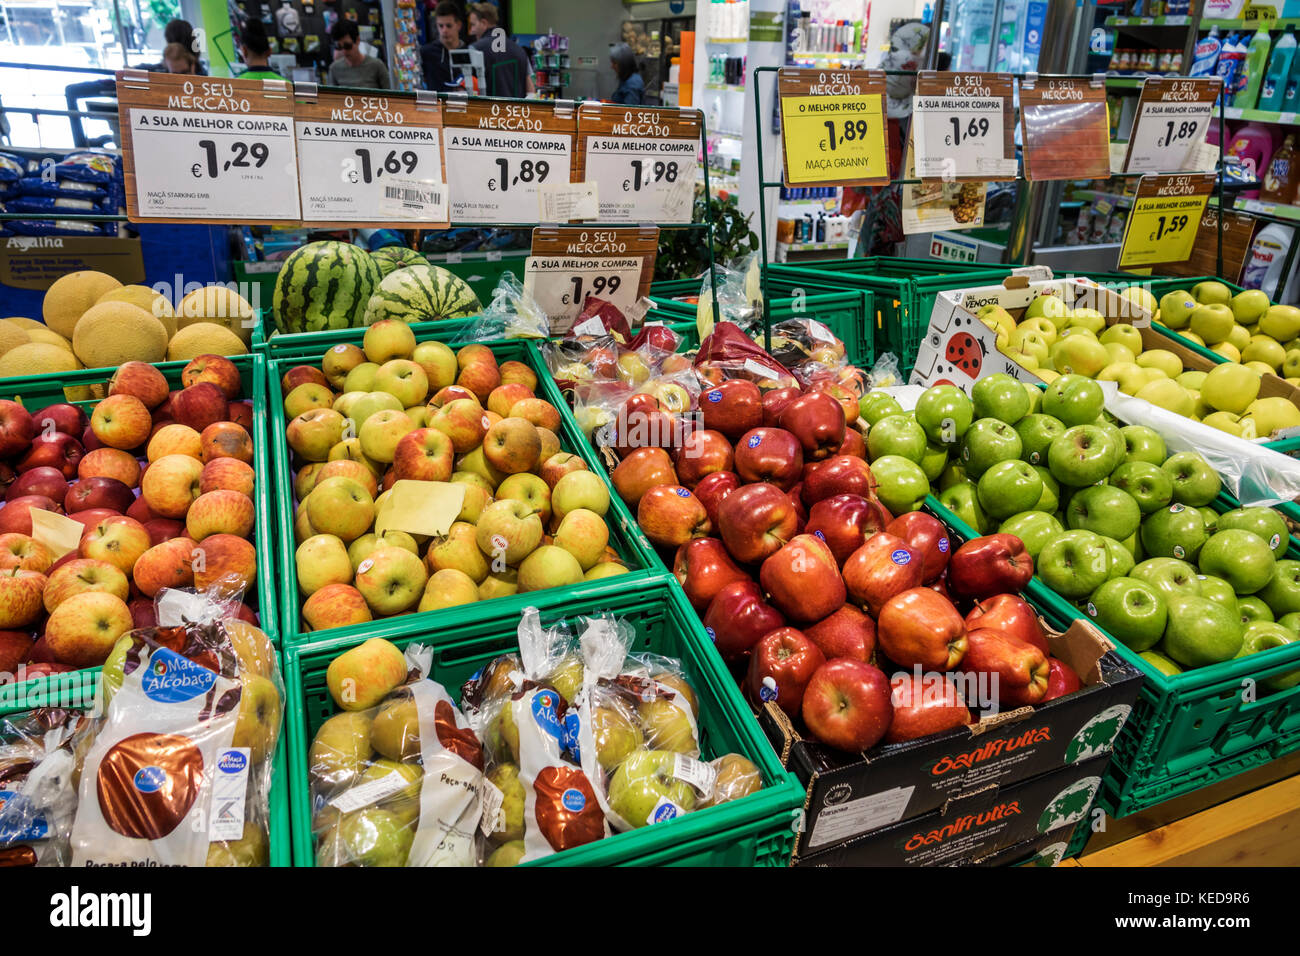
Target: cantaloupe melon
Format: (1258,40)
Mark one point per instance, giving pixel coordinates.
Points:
(71,295)
(219,305)
(11,337)
(204,338)
(49,337)
(36,358)
(112,333)
(145,298)
(24,323)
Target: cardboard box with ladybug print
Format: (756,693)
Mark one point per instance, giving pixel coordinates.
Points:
(959,349)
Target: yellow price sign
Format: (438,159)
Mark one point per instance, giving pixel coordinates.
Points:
(1165,218)
(833,127)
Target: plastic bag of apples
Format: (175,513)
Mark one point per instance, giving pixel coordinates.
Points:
(512,313)
(37,798)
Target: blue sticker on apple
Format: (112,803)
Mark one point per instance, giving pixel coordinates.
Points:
(573,800)
(149,779)
(818,534)
(683,493)
(901,556)
(713,636)
(663,812)
(754,441)
(943,545)
(715,396)
(767,690)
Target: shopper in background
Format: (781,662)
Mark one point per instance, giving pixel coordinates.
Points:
(631,88)
(508,72)
(256,51)
(351,67)
(182,32)
(435,57)
(178,58)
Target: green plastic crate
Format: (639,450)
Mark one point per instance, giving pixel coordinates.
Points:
(79,691)
(757,830)
(1193,729)
(625,537)
(37,391)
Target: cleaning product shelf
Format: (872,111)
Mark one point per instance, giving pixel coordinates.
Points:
(1259,116)
(726,87)
(1178,21)
(1264,208)
(1248,24)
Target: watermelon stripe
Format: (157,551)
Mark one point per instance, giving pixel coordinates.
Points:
(324,285)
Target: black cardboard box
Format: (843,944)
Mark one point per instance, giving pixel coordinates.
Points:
(853,794)
(1047,850)
(976,827)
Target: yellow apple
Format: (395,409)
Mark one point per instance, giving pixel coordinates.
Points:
(1227,350)
(1089,319)
(1230,388)
(1121,333)
(1042,326)
(1190,379)
(1169,395)
(1239,337)
(1080,354)
(1273,414)
(1120,353)
(1163,359)
(1264,348)
(1263,368)
(1224,422)
(1212,323)
(1193,338)
(1281,321)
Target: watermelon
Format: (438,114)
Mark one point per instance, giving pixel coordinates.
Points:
(324,285)
(421,293)
(396,257)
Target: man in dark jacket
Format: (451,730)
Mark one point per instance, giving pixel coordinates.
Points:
(435,57)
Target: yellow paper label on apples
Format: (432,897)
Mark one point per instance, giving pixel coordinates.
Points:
(421,507)
(1161,229)
(57,532)
(829,139)
(704,314)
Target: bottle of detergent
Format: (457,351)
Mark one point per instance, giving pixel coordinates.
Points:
(1267,256)
(1252,146)
(1228,68)
(1273,93)
(1280,179)
(1205,55)
(1256,65)
(1291,98)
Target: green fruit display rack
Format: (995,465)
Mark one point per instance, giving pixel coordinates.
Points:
(757,830)
(1192,729)
(625,537)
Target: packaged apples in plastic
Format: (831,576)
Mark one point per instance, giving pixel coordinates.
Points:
(808,348)
(37,796)
(397,775)
(729,353)
(177,772)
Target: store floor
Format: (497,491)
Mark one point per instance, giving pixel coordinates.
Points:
(1252,819)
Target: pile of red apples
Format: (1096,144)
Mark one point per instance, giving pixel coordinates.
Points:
(161,482)
(814,592)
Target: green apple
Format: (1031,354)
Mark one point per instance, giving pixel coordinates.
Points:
(953,474)
(1161,663)
(1121,558)
(1174,532)
(1089,319)
(1240,557)
(1252,608)
(1044,327)
(945,412)
(1131,611)
(1008,488)
(1176,309)
(1262,636)
(1036,432)
(1282,592)
(1290,621)
(1029,342)
(642,782)
(1201,632)
(1000,396)
(1116,439)
(1074,400)
(1282,322)
(1081,455)
(1079,354)
(1034,528)
(1219,590)
(1074,564)
(961,500)
(987,442)
(896,435)
(934,461)
(1195,482)
(1048,307)
(1123,334)
(1050,500)
(507,854)
(1211,519)
(370,837)
(1035,397)
(1249,306)
(875,405)
(1212,323)
(1264,522)
(1104,509)
(901,485)
(1145,483)
(1169,576)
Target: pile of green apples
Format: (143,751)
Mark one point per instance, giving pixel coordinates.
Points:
(1114,523)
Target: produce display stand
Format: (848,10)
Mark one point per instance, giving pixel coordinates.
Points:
(757,830)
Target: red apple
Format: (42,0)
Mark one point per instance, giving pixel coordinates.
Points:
(226,440)
(641,429)
(803,580)
(121,421)
(670,516)
(846,704)
(755,521)
(16,515)
(139,510)
(920,627)
(44,669)
(98,493)
(713,488)
(883,567)
(1017,671)
(17,428)
(93,516)
(926,535)
(143,613)
(198,406)
(846,633)
(301,375)
(57,450)
(702,453)
(845,396)
(45,481)
(845,522)
(924,705)
(140,380)
(732,408)
(704,568)
(423,455)
(775,401)
(640,471)
(110,463)
(988,565)
(840,475)
(780,667)
(817,420)
(220,371)
(241,413)
(61,417)
(20,597)
(163,529)
(1010,614)
(853,444)
(1061,680)
(769,454)
(737,617)
(15,649)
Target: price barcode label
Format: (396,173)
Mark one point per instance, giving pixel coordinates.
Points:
(409,199)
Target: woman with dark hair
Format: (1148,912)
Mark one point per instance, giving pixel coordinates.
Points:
(256,51)
(631,88)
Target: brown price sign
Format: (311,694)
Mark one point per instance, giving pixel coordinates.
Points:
(504,159)
(569,263)
(206,149)
(963,126)
(1172,118)
(1064,127)
(1238,230)
(642,161)
(833,127)
(369,159)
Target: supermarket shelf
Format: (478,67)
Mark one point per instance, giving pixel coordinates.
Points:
(490,255)
(1133,82)
(1180,21)
(1092,195)
(812,246)
(726,87)
(819,55)
(1264,208)
(727,40)
(1247,24)
(1259,116)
